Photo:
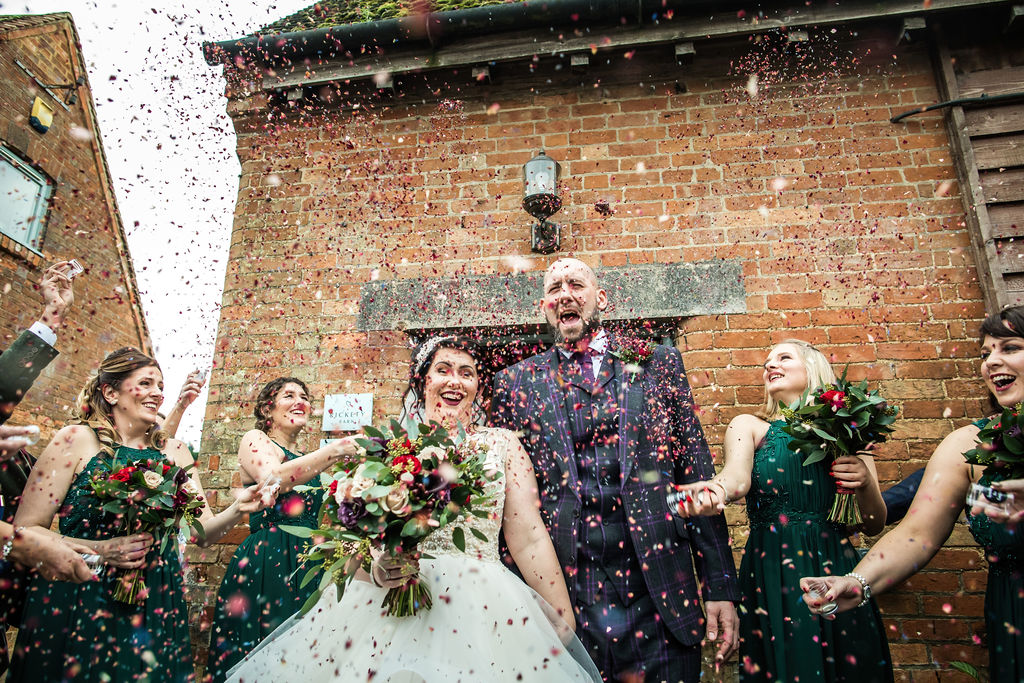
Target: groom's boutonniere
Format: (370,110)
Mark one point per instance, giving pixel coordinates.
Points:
(633,352)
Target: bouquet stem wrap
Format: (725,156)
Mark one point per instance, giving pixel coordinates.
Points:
(408,600)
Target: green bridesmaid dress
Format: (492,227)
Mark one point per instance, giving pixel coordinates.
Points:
(1004,597)
(260,588)
(790,538)
(79,632)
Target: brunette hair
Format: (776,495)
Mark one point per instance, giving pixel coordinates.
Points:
(419,365)
(1002,325)
(819,373)
(268,397)
(94,411)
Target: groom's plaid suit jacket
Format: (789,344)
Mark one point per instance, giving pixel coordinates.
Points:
(660,443)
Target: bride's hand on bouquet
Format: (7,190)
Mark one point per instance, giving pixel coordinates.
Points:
(125,552)
(346,449)
(701,498)
(393,571)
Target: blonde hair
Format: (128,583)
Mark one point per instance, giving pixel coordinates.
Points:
(94,411)
(819,374)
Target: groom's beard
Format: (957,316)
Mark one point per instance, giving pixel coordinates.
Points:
(589,328)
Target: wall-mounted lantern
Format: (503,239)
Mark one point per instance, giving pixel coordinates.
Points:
(541,200)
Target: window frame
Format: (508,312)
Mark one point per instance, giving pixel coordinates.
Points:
(37,230)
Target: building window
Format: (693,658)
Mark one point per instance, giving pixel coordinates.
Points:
(24,198)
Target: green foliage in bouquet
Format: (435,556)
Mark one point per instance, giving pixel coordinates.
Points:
(839,419)
(1001,444)
(397,493)
(151,496)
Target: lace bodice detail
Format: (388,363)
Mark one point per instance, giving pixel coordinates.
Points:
(440,542)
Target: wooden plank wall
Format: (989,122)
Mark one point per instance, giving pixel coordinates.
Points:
(995,135)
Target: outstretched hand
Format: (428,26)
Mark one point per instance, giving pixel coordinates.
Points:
(1012,512)
(845,591)
(701,498)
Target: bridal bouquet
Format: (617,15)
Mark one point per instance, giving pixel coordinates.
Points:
(404,488)
(839,419)
(1001,444)
(148,496)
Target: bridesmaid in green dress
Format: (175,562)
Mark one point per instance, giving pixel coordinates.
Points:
(938,503)
(80,632)
(260,588)
(790,537)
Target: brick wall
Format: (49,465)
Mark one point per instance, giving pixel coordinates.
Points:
(851,231)
(80,223)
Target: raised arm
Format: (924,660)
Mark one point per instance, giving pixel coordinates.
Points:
(48,486)
(190,390)
(733,482)
(912,544)
(527,537)
(260,458)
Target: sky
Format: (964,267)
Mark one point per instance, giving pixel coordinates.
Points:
(171,150)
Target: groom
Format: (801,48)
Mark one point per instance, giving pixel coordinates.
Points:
(607,443)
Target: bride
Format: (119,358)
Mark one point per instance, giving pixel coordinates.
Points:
(485,624)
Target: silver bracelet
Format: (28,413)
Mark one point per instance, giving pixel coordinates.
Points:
(8,545)
(865,588)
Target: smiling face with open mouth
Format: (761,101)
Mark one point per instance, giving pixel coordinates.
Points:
(138,398)
(291,407)
(572,302)
(450,387)
(785,376)
(1002,368)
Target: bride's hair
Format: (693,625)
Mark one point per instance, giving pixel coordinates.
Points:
(419,365)
(819,374)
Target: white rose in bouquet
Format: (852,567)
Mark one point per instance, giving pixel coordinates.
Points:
(152,479)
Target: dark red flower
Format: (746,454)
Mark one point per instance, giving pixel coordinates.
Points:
(407,463)
(834,398)
(123,474)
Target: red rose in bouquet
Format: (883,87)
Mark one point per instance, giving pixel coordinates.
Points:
(839,419)
(147,496)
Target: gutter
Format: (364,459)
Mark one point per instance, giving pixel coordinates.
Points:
(436,28)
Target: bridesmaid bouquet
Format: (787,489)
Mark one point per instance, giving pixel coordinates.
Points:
(1001,444)
(148,496)
(839,419)
(400,491)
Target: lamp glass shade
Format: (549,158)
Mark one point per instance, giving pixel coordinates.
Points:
(540,186)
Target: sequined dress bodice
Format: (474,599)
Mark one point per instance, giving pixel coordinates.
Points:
(440,542)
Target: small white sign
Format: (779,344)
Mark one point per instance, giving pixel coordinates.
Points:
(347,412)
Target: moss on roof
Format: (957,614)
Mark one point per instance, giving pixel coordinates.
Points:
(328,13)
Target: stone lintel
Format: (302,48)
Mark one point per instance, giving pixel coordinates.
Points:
(639,292)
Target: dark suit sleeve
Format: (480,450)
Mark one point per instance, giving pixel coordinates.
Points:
(709,535)
(21,364)
(899,497)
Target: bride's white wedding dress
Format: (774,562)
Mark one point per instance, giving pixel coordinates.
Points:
(485,623)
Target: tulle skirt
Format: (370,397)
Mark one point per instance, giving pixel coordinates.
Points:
(485,625)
